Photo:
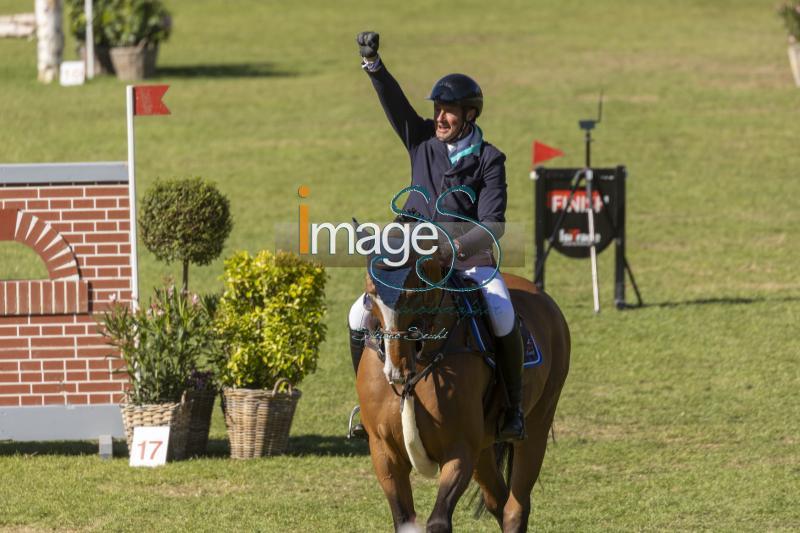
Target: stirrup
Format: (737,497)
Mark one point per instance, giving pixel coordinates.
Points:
(350,426)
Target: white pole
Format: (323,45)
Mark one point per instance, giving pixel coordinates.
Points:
(593,248)
(89,46)
(132,195)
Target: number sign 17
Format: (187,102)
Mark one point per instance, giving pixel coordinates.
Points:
(149,447)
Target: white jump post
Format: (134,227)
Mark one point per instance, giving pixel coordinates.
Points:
(132,193)
(141,100)
(593,245)
(89,46)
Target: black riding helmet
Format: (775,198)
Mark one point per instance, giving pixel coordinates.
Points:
(458,89)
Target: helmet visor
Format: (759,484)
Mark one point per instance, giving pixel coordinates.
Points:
(442,93)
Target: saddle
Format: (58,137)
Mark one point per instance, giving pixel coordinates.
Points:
(475,311)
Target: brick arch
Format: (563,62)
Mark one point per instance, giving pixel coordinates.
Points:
(30,230)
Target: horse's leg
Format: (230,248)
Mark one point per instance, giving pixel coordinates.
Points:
(493,486)
(393,475)
(453,481)
(527,462)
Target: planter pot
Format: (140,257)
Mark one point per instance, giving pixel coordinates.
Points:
(102,59)
(133,63)
(201,404)
(794,61)
(174,415)
(259,421)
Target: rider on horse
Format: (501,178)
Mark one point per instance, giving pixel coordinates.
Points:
(445,152)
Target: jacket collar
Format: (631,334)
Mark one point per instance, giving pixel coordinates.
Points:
(468,146)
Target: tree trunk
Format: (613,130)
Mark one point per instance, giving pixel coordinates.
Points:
(50,35)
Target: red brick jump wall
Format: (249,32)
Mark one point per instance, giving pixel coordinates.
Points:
(51,352)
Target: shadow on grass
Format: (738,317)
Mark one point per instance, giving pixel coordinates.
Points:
(224,70)
(734,300)
(299,446)
(34,448)
(303,446)
(326,445)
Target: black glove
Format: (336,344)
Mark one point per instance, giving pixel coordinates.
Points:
(368,44)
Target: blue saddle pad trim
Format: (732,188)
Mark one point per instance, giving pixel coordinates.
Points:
(533,354)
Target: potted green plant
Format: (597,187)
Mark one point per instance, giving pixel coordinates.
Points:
(789,12)
(185,220)
(270,323)
(161,345)
(134,30)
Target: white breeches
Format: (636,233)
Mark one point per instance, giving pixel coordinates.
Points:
(495,294)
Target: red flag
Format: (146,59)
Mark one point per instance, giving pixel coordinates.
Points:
(542,152)
(147,100)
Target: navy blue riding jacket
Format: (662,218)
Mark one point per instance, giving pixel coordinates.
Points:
(431,168)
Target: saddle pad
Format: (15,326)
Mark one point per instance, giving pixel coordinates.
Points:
(533,355)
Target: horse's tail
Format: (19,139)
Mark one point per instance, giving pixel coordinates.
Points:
(504,455)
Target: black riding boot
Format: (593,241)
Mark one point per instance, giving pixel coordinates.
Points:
(356,346)
(356,349)
(510,364)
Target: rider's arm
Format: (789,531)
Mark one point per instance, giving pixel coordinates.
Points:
(409,126)
(492,200)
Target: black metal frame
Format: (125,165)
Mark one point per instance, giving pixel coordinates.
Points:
(616,221)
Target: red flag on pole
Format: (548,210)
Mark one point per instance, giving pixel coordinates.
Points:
(147,100)
(542,152)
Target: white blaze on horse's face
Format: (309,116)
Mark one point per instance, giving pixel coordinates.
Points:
(392,346)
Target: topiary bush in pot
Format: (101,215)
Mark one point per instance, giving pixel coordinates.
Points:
(186,220)
(270,322)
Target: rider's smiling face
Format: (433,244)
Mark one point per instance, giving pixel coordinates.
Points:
(449,120)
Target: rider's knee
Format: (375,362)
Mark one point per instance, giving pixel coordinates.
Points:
(358,316)
(502,318)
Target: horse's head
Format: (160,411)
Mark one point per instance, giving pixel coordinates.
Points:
(403,312)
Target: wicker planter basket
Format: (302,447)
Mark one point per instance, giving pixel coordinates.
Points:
(174,415)
(133,63)
(259,420)
(201,404)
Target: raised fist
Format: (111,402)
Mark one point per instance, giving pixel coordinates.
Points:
(368,44)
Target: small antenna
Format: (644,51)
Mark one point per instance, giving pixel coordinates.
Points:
(589,124)
(600,108)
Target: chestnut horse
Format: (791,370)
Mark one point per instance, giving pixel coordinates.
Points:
(447,420)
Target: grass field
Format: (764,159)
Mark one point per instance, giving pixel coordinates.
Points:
(683,415)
